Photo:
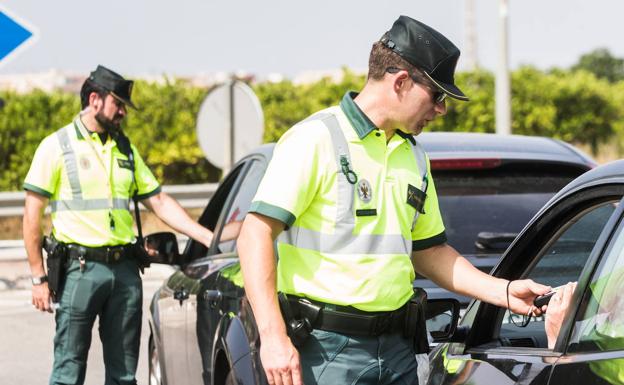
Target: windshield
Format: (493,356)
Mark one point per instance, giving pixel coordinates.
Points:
(473,205)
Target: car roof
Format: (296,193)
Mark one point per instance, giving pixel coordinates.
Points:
(453,145)
(465,145)
(610,173)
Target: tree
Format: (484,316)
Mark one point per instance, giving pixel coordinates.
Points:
(601,63)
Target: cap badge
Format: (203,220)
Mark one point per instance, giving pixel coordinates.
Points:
(365,192)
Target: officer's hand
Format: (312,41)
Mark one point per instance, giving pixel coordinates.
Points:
(280,360)
(41,297)
(521,296)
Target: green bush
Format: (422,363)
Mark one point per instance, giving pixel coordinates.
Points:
(571,105)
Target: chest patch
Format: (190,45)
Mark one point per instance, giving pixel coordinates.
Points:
(364,190)
(416,198)
(123,163)
(85,163)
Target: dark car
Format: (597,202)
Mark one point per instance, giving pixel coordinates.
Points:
(202,328)
(577,237)
(490,186)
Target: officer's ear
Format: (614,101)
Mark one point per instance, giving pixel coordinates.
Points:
(400,81)
(95,101)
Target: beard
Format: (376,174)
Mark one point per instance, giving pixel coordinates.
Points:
(112,126)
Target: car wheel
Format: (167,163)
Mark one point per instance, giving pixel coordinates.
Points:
(231,379)
(155,374)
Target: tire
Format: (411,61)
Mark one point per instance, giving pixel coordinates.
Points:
(155,374)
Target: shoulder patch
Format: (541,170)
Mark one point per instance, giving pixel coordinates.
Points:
(124,163)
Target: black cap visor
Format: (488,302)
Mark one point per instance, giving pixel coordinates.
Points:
(124,101)
(449,89)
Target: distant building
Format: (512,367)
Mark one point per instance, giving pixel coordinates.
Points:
(53,79)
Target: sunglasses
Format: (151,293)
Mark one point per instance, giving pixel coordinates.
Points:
(437,95)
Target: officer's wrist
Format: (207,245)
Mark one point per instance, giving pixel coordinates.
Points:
(38,280)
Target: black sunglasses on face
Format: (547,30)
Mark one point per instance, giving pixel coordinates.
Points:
(437,95)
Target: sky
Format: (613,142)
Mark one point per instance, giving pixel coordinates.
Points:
(186,37)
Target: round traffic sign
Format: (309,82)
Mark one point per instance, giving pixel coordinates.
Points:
(230,124)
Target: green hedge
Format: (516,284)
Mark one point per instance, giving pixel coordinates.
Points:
(573,106)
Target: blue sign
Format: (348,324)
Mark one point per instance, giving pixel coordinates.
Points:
(12,35)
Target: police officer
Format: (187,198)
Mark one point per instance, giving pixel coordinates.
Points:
(89,179)
(349,193)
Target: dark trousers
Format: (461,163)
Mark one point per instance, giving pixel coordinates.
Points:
(112,292)
(332,358)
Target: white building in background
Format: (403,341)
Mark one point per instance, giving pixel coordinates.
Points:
(72,81)
(46,81)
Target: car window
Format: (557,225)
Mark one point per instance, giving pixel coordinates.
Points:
(565,256)
(559,261)
(599,325)
(239,207)
(209,217)
(497,203)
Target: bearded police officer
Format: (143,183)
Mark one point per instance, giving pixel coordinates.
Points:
(349,193)
(88,173)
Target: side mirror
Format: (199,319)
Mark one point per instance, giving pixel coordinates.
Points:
(163,248)
(442,317)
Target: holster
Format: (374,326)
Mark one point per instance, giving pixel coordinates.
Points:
(298,326)
(416,322)
(57,266)
(141,256)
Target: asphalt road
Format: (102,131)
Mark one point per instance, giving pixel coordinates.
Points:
(26,334)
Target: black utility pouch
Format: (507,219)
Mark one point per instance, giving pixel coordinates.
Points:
(298,327)
(57,266)
(415,321)
(141,256)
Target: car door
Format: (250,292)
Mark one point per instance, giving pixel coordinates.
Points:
(592,337)
(178,297)
(558,247)
(212,301)
(171,304)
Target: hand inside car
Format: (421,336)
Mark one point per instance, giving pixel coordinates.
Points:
(556,311)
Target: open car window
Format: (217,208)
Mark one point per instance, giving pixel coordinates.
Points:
(599,323)
(232,219)
(195,250)
(559,260)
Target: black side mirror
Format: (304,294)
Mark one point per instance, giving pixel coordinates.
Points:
(442,317)
(163,248)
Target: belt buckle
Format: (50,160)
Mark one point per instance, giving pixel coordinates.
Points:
(113,254)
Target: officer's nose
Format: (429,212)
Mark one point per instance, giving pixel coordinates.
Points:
(440,108)
(122,111)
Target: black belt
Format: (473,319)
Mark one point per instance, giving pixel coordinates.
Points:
(347,319)
(105,254)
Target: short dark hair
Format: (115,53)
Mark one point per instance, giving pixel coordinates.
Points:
(381,58)
(87,87)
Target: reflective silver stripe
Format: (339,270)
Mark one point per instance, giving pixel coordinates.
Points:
(345,242)
(89,204)
(421,162)
(346,191)
(71,165)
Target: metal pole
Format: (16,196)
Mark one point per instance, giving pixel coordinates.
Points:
(503,88)
(228,152)
(472,61)
(232,124)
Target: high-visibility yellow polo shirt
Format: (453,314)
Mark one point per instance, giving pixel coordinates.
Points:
(89,184)
(368,266)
